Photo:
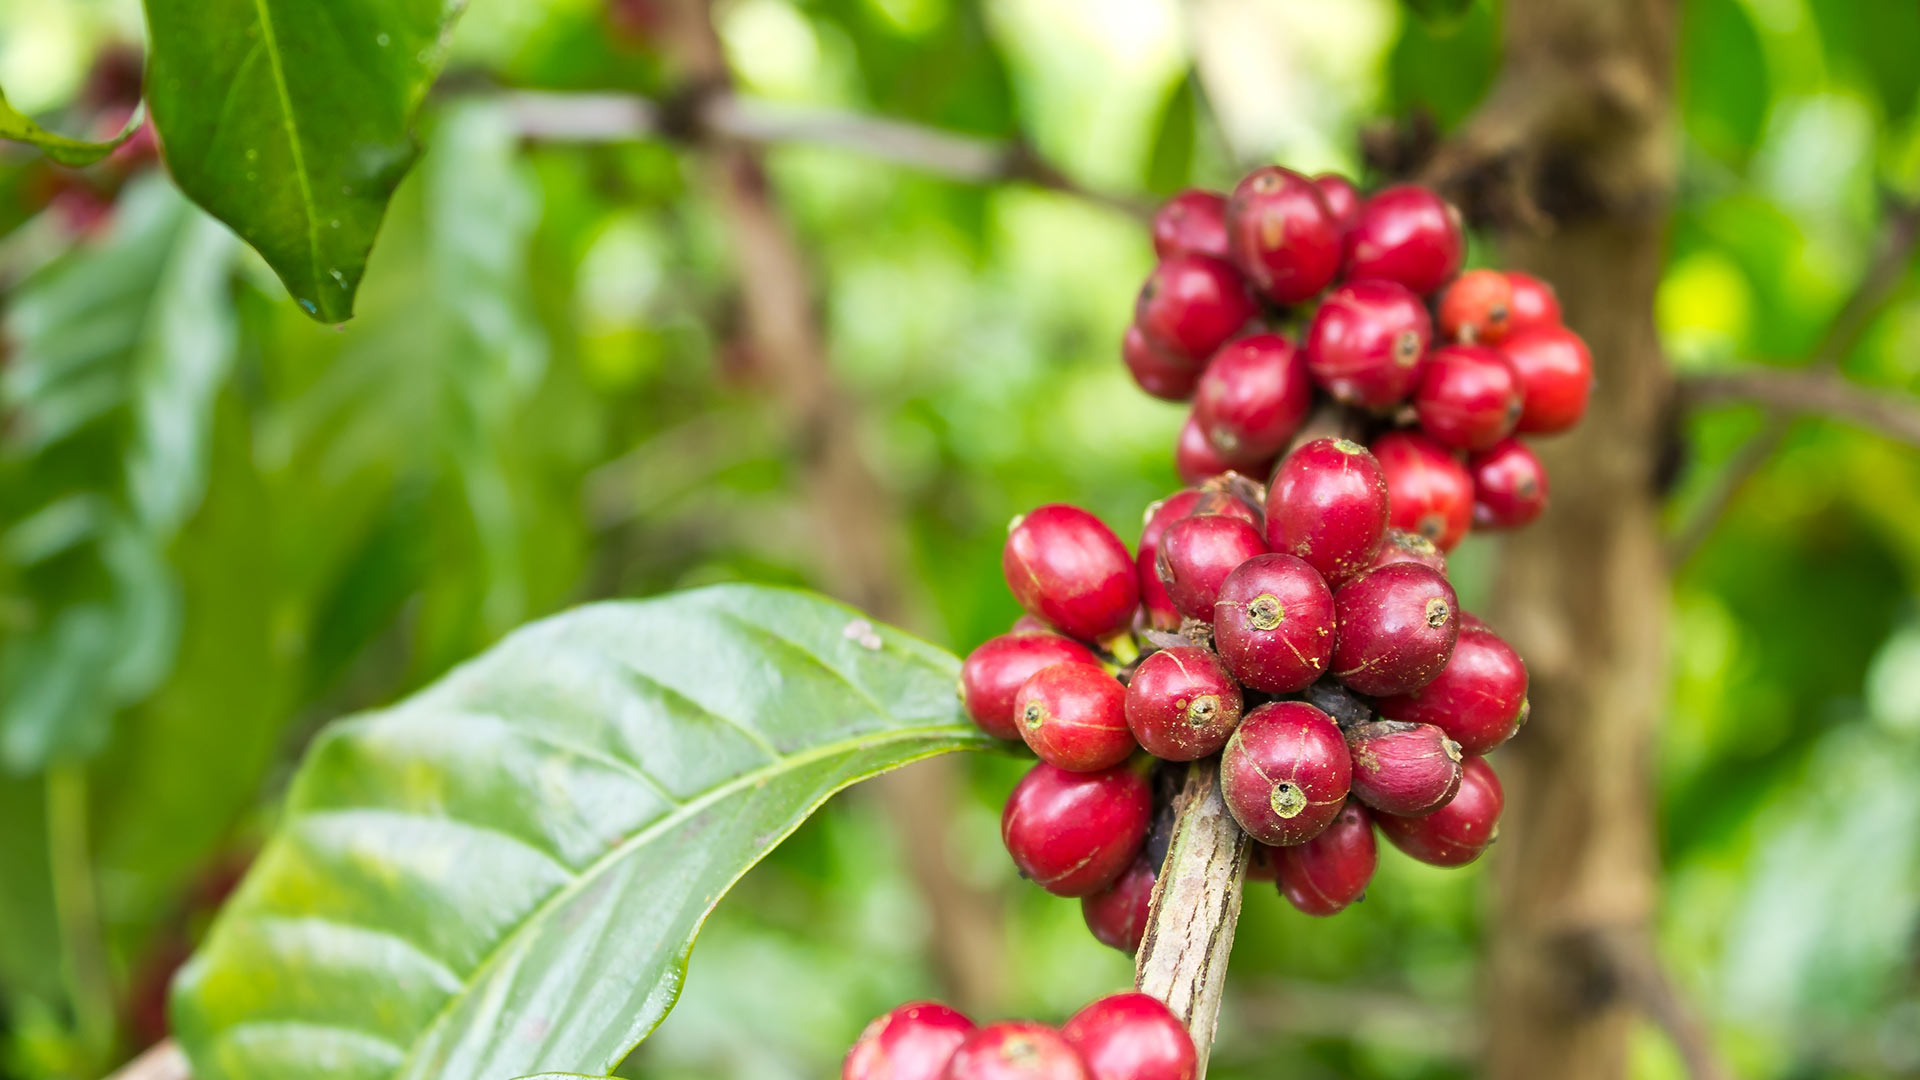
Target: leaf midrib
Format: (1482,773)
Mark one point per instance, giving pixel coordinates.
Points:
(272,44)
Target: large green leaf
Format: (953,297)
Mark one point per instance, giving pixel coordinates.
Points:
(16,127)
(505,873)
(288,120)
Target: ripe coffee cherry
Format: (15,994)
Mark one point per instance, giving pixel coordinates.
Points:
(1073,833)
(1534,305)
(1182,703)
(1407,234)
(1396,629)
(1342,198)
(1195,459)
(1066,567)
(1117,914)
(1479,699)
(1367,341)
(1252,398)
(1283,236)
(1285,772)
(993,673)
(1330,871)
(1476,308)
(1196,555)
(1428,491)
(1074,716)
(1509,485)
(1458,832)
(1027,624)
(1132,1037)
(1404,546)
(1402,768)
(1191,305)
(1193,222)
(1016,1050)
(1156,370)
(1555,374)
(1161,614)
(1468,397)
(1328,505)
(1273,623)
(913,1042)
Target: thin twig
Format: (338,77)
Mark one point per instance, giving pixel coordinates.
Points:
(1635,965)
(1795,392)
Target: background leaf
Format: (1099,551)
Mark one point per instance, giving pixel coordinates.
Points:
(1170,160)
(67,151)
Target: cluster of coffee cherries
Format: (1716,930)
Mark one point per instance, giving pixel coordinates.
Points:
(1123,1037)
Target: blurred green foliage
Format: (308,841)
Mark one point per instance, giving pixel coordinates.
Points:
(221,524)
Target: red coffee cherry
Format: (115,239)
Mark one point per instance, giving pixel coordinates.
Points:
(1117,914)
(993,673)
(1407,234)
(1074,716)
(1132,1037)
(1509,485)
(1555,374)
(1342,198)
(1182,703)
(1016,1050)
(1401,768)
(1273,623)
(1285,772)
(1404,546)
(1283,236)
(1330,871)
(1066,567)
(1191,305)
(1468,397)
(913,1042)
(1156,370)
(1458,832)
(1027,624)
(1195,459)
(1073,833)
(1196,555)
(1367,341)
(1428,491)
(1479,699)
(1395,629)
(1476,308)
(1193,222)
(1161,614)
(1328,505)
(1253,397)
(1534,305)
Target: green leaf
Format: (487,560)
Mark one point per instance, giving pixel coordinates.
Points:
(15,126)
(505,873)
(288,120)
(1442,13)
(1170,161)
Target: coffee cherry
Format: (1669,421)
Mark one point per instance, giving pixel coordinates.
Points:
(1066,567)
(1027,624)
(1073,833)
(1158,371)
(1195,459)
(1330,871)
(1468,397)
(1132,1037)
(1509,485)
(1401,768)
(1328,505)
(913,1042)
(1458,832)
(1428,491)
(1016,1050)
(1534,305)
(1273,623)
(1253,397)
(1342,198)
(1197,553)
(1404,546)
(1283,236)
(1193,222)
(1406,234)
(1395,629)
(1191,305)
(1555,374)
(993,673)
(1479,699)
(1161,614)
(1182,703)
(1476,308)
(1285,772)
(1117,914)
(1367,341)
(1074,716)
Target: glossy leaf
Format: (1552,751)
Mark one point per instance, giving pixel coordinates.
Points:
(288,120)
(1170,160)
(16,127)
(506,872)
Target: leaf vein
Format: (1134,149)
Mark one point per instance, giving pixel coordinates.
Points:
(293,144)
